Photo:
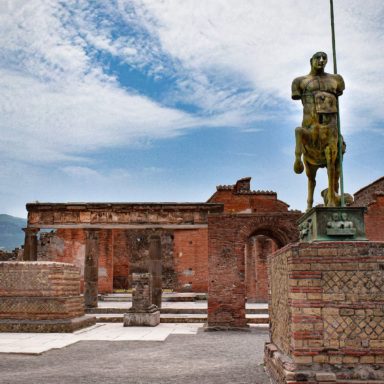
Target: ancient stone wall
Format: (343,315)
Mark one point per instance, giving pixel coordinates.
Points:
(366,195)
(326,313)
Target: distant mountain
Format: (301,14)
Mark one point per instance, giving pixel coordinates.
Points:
(11,234)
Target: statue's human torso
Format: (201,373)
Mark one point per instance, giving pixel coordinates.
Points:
(318,94)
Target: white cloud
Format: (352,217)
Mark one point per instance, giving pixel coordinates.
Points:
(264,45)
(230,61)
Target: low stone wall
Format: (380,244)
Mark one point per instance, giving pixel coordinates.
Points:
(327,313)
(41,297)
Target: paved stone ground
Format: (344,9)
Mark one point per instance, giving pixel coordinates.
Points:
(204,358)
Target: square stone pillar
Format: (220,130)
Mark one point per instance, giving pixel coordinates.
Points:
(91,268)
(155,268)
(327,313)
(30,244)
(142,312)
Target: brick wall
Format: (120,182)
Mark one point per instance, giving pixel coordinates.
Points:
(227,236)
(39,291)
(256,270)
(191,259)
(255,202)
(366,195)
(63,245)
(326,307)
(374,219)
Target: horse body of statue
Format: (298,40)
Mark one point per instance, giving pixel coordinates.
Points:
(317,139)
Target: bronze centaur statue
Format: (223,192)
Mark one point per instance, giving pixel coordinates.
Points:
(317,138)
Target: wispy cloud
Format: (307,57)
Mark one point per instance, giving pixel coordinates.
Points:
(66,92)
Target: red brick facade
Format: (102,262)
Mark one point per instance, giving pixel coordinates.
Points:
(372,197)
(228,235)
(124,230)
(374,218)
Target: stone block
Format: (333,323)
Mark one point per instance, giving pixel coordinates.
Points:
(41,297)
(47,326)
(325,377)
(142,319)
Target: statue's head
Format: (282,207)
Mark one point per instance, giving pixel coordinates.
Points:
(319,61)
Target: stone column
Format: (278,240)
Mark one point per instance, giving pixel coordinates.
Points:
(91,267)
(155,268)
(30,244)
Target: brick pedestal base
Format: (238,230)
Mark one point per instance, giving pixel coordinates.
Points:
(41,297)
(327,313)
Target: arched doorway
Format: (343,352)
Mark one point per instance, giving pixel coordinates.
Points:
(256,251)
(232,239)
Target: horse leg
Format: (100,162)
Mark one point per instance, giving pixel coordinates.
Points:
(298,166)
(310,171)
(331,155)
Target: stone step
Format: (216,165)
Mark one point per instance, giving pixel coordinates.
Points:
(202,311)
(168,298)
(178,318)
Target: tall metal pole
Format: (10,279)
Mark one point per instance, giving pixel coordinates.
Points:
(342,202)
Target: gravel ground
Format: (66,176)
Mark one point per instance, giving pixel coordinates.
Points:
(205,358)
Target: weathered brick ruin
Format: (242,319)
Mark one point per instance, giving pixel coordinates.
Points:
(326,313)
(57,232)
(41,297)
(124,232)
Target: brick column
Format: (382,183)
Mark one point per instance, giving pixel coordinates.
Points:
(226,286)
(91,268)
(155,268)
(327,313)
(30,244)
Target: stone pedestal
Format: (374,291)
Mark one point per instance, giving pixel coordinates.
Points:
(41,297)
(327,313)
(333,224)
(142,312)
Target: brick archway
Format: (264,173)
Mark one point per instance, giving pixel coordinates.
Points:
(227,236)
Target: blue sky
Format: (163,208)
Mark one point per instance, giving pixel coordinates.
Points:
(163,100)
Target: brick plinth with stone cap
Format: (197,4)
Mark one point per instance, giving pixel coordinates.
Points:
(327,313)
(41,296)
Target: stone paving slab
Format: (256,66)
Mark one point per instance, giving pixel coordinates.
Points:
(177,304)
(37,343)
(202,357)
